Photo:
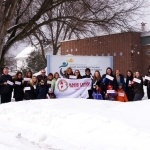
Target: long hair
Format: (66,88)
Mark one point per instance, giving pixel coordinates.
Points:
(34,83)
(16,76)
(97,78)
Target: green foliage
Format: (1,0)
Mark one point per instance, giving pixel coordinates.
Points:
(36,62)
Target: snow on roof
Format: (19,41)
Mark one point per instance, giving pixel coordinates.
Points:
(145,34)
(25,53)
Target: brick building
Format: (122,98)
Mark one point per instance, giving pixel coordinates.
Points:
(130,50)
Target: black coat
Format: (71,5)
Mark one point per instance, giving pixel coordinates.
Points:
(40,77)
(30,94)
(138,87)
(107,82)
(4,89)
(18,89)
(129,88)
(42,91)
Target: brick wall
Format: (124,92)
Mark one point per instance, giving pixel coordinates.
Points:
(117,45)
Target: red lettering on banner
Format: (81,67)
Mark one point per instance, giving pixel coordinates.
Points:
(85,84)
(74,84)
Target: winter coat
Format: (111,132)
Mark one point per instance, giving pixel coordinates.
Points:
(40,77)
(4,89)
(121,96)
(42,91)
(111,96)
(147,84)
(18,89)
(107,82)
(121,80)
(30,94)
(129,88)
(138,87)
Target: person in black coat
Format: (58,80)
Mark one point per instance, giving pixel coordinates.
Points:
(147,83)
(42,76)
(88,75)
(138,87)
(109,79)
(42,90)
(30,88)
(129,86)
(6,86)
(18,87)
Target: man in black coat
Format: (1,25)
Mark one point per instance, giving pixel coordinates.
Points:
(42,76)
(6,86)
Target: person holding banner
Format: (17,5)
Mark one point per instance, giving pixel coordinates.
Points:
(68,73)
(109,79)
(18,86)
(147,83)
(88,74)
(138,86)
(77,74)
(6,86)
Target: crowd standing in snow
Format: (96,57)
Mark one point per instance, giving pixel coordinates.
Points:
(107,87)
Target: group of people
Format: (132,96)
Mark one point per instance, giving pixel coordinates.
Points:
(110,86)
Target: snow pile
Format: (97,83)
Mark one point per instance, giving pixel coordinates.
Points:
(74,124)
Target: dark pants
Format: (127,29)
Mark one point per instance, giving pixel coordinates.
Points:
(148,93)
(138,96)
(18,99)
(5,98)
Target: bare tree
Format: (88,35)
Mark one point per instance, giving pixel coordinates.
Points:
(21,18)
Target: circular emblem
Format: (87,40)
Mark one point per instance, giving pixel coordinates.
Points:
(62,85)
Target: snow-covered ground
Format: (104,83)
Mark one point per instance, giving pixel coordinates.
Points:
(75,124)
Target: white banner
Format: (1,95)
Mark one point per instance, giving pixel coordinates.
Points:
(72,88)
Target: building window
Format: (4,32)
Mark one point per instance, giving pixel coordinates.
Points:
(121,53)
(114,53)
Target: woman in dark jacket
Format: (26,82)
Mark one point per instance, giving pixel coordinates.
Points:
(18,87)
(30,88)
(138,86)
(120,79)
(97,83)
(109,79)
(147,83)
(129,86)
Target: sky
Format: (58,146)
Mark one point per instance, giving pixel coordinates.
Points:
(75,124)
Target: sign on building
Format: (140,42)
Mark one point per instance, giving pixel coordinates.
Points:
(59,63)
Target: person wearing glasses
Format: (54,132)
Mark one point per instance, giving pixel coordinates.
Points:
(77,74)
(42,76)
